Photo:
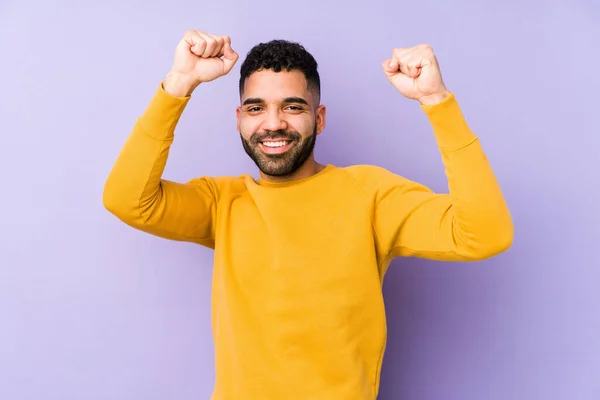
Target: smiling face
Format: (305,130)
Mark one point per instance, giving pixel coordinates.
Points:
(278,121)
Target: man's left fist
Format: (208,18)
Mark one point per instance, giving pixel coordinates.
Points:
(416,74)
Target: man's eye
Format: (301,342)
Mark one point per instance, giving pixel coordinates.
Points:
(295,108)
(252,109)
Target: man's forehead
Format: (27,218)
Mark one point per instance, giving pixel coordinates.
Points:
(274,86)
(271,80)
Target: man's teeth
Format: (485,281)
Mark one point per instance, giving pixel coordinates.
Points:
(274,144)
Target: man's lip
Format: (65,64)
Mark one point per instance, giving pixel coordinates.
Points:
(276,150)
(276,140)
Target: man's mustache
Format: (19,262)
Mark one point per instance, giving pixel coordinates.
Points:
(279,134)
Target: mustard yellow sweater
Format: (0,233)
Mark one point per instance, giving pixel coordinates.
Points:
(297,309)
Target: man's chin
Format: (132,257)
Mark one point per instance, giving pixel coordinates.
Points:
(278,168)
(280,163)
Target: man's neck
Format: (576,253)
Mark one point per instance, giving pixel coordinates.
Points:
(308,169)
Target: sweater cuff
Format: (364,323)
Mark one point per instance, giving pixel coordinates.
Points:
(162,114)
(449,125)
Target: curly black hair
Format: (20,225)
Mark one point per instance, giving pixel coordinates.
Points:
(281,54)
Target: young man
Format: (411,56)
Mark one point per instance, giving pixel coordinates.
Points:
(301,252)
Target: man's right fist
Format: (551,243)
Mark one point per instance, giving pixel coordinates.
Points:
(199,57)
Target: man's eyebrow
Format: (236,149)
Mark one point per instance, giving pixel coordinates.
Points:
(253,100)
(287,100)
(299,100)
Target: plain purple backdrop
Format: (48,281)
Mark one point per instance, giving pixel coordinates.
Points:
(91,309)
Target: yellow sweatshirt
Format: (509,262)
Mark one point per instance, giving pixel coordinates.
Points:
(297,310)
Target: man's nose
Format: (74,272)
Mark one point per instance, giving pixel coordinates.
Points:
(274,121)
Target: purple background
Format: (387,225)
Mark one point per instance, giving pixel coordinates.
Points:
(91,309)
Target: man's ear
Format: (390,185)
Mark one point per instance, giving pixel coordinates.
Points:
(238,112)
(320,118)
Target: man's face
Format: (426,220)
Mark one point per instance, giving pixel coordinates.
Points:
(279,120)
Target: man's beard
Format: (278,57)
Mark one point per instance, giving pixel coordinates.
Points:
(280,164)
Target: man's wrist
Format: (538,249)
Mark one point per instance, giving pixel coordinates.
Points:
(179,85)
(433,99)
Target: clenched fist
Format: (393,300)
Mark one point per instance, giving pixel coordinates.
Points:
(416,74)
(199,57)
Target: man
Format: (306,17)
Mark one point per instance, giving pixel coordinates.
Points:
(301,252)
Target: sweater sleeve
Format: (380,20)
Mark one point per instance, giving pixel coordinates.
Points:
(471,222)
(136,193)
